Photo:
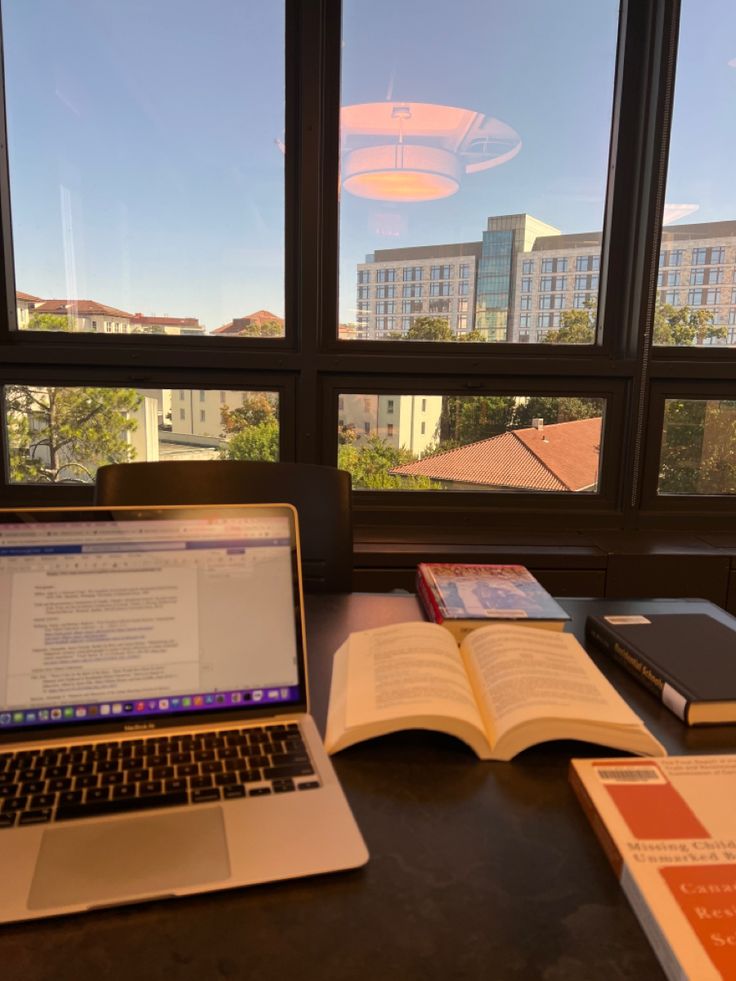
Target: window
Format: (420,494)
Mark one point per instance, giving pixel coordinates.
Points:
(390,406)
(424,405)
(217,259)
(367,428)
(202,415)
(389,429)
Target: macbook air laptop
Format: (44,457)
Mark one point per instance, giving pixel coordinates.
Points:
(155,739)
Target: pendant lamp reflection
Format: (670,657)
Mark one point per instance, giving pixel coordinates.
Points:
(416,151)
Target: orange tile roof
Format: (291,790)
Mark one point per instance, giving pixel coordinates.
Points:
(237,324)
(139,318)
(81,307)
(560,457)
(26,296)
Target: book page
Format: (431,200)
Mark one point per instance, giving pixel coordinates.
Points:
(522,674)
(409,669)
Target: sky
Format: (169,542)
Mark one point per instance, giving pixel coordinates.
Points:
(145,136)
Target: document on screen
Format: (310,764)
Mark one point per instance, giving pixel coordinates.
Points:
(92,636)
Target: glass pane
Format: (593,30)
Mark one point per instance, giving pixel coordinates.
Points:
(696,285)
(146,165)
(62,435)
(698,453)
(474,153)
(499,443)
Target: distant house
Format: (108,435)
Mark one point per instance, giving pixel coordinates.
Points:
(249,326)
(87,315)
(188,326)
(25,304)
(563,456)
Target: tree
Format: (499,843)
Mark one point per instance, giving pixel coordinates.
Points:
(577,326)
(65,434)
(268,328)
(370,462)
(50,321)
(255,408)
(468,419)
(430,329)
(698,453)
(256,442)
(554,408)
(474,336)
(683,326)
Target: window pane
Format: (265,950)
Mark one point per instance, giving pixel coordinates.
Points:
(700,184)
(146,178)
(698,454)
(62,435)
(474,176)
(500,443)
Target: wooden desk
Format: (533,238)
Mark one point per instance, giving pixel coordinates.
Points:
(477,871)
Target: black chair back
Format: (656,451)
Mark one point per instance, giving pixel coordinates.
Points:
(321,495)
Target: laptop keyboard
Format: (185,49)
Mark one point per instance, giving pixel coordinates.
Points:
(94,779)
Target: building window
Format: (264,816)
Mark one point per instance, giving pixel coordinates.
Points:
(551,301)
(389,429)
(526,285)
(586,282)
(412,274)
(202,415)
(415,291)
(423,428)
(554,265)
(385,275)
(441,272)
(548,283)
(385,292)
(364,276)
(439,289)
(439,306)
(182,413)
(671,257)
(527,267)
(424,405)
(587,263)
(390,406)
(463,270)
(367,428)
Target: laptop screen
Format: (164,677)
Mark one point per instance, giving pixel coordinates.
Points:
(138,615)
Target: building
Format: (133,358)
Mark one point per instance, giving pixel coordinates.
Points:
(409,422)
(25,304)
(262,323)
(517,282)
(175,326)
(564,456)
(395,286)
(87,315)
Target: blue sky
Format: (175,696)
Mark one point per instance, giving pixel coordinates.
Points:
(145,170)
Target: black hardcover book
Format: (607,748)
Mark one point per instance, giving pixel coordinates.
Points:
(687,659)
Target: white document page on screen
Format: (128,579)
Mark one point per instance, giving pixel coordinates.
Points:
(92,636)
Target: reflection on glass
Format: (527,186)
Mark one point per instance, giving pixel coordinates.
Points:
(698,453)
(62,435)
(461,187)
(496,443)
(146,177)
(696,285)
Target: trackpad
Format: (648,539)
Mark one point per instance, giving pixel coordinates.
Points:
(109,861)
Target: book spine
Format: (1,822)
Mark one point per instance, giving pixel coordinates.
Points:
(631,659)
(611,849)
(427,598)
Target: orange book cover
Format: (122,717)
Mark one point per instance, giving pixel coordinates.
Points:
(668,826)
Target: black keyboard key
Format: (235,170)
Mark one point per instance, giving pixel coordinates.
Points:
(187,770)
(199,782)
(70,797)
(98,793)
(181,758)
(204,795)
(133,763)
(204,755)
(225,779)
(82,783)
(14,804)
(137,776)
(162,772)
(283,772)
(212,766)
(150,787)
(35,817)
(309,785)
(283,786)
(60,783)
(43,800)
(82,769)
(284,759)
(52,772)
(8,790)
(33,787)
(259,791)
(250,776)
(111,779)
(7,821)
(230,792)
(255,762)
(232,766)
(124,791)
(174,786)
(107,766)
(7,777)
(120,805)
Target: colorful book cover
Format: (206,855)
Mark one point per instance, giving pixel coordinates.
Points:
(669,829)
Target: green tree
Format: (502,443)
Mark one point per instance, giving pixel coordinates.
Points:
(683,326)
(430,329)
(554,408)
(577,326)
(474,336)
(369,464)
(466,419)
(50,321)
(255,408)
(257,442)
(698,454)
(269,328)
(65,434)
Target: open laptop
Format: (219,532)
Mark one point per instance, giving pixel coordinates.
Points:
(154,731)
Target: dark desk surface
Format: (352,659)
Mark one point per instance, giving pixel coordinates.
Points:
(477,870)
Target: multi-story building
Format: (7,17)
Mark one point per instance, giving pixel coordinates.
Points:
(24,307)
(409,422)
(99,318)
(176,326)
(517,283)
(395,286)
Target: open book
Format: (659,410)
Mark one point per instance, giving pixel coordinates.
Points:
(505,689)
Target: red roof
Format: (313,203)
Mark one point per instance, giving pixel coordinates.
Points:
(80,307)
(238,324)
(26,296)
(563,456)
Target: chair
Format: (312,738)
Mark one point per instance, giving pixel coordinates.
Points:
(320,494)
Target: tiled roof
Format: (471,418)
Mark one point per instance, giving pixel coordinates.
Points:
(26,296)
(238,324)
(560,457)
(80,307)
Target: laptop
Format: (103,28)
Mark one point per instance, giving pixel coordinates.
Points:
(155,739)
